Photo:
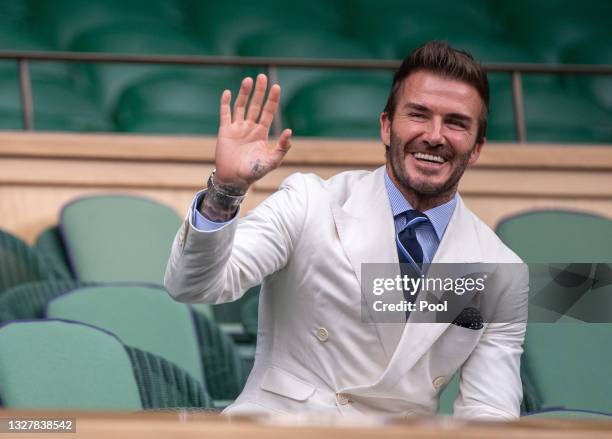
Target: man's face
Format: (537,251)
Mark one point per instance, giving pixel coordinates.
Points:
(432,137)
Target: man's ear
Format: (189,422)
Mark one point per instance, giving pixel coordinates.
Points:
(476,151)
(385,129)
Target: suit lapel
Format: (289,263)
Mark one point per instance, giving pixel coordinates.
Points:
(459,244)
(367,234)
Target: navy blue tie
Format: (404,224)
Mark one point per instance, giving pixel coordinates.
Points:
(408,247)
(407,243)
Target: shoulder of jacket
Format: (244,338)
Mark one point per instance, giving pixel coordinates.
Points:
(492,246)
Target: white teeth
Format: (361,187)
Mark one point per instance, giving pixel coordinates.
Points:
(429,157)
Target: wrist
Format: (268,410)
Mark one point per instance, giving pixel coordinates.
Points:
(221,201)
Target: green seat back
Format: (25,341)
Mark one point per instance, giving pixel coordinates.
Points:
(49,245)
(303,43)
(222,25)
(550,26)
(410,23)
(107,81)
(547,236)
(143,317)
(19,263)
(173,104)
(569,414)
(58,106)
(567,360)
(29,300)
(115,238)
(551,115)
(348,107)
(163,385)
(66,19)
(222,365)
(570,363)
(592,52)
(59,365)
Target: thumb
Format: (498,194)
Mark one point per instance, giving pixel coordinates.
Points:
(284,144)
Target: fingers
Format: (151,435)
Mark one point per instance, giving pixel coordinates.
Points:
(284,143)
(258,96)
(271,106)
(225,114)
(242,99)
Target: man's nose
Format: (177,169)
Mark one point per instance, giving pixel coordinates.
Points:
(433,133)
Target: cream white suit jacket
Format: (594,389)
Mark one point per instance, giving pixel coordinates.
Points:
(305,244)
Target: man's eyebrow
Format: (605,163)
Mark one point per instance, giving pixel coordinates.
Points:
(459,116)
(415,106)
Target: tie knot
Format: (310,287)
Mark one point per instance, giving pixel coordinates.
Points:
(414,217)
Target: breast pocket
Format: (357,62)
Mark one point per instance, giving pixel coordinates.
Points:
(281,382)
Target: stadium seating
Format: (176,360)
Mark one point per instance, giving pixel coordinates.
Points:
(176,103)
(118,238)
(568,358)
(551,115)
(142,317)
(592,52)
(300,43)
(28,300)
(50,247)
(86,368)
(412,22)
(221,25)
(338,107)
(548,27)
(19,263)
(107,81)
(64,20)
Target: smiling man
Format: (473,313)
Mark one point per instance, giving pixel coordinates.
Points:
(306,244)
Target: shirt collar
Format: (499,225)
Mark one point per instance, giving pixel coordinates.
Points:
(439,216)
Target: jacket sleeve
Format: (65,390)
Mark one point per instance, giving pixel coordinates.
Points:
(219,266)
(490,385)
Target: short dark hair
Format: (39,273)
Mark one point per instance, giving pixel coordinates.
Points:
(439,58)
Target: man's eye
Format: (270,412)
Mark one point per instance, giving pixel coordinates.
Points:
(417,115)
(457,124)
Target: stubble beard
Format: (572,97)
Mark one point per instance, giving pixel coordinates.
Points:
(425,191)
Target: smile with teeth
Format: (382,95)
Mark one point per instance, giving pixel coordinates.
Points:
(429,157)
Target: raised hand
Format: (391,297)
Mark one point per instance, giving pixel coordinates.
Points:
(243,154)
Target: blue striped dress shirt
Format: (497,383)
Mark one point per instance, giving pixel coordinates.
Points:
(428,233)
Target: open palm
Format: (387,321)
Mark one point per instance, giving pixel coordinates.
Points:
(243,154)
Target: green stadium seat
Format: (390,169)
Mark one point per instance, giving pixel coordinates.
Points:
(87,369)
(173,103)
(58,106)
(300,43)
(568,414)
(107,81)
(66,19)
(84,368)
(19,263)
(225,375)
(221,25)
(28,301)
(413,22)
(348,107)
(535,236)
(548,27)
(598,86)
(50,246)
(164,385)
(557,354)
(552,114)
(142,317)
(118,238)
